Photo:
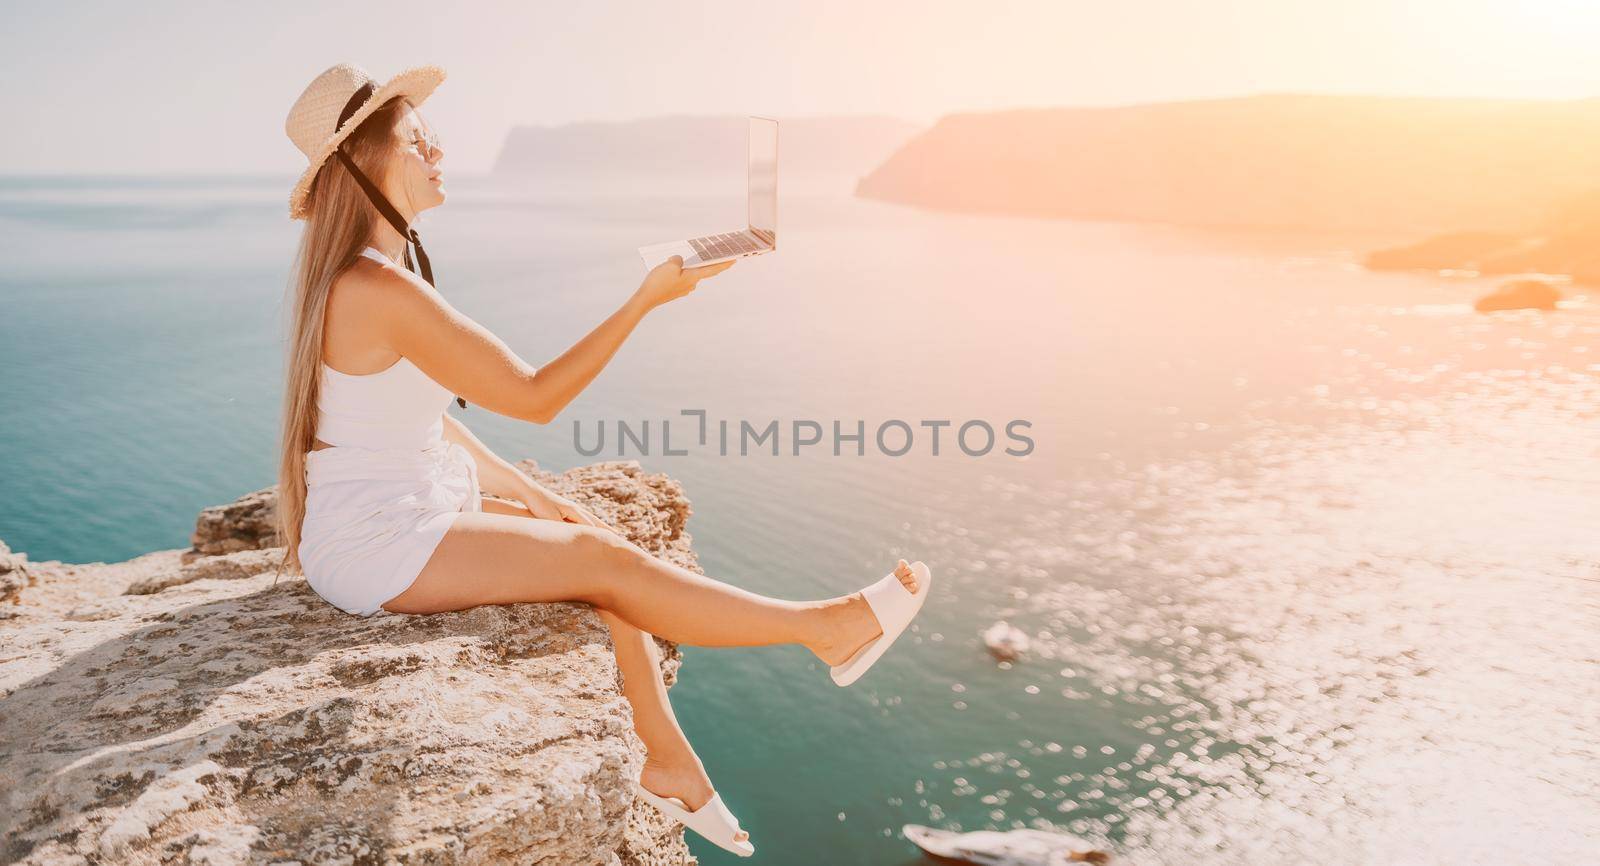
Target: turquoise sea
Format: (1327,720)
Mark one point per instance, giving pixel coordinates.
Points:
(1307,554)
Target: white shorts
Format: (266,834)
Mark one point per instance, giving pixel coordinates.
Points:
(374,517)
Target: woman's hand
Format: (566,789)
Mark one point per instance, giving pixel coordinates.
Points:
(548,506)
(541,503)
(670,280)
(572,512)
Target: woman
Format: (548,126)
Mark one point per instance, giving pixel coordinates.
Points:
(379,499)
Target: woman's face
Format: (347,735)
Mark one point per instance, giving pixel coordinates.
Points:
(415,182)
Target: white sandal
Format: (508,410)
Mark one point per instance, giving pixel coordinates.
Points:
(895,607)
(712,820)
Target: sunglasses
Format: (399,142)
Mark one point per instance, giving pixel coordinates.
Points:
(426,143)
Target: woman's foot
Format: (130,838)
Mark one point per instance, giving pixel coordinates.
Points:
(852,623)
(684,779)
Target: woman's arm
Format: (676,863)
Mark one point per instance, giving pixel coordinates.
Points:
(466,358)
(499,477)
(564,378)
(496,475)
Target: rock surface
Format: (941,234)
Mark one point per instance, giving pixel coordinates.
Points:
(243,524)
(14,577)
(185,707)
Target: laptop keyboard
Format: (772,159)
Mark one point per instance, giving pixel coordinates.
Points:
(725,244)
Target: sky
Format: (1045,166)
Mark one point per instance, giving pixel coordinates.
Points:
(203,88)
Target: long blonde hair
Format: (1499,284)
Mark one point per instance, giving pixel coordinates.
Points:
(339,224)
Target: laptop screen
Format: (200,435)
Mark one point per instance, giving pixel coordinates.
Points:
(764,179)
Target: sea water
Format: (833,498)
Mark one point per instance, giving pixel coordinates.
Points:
(1306,552)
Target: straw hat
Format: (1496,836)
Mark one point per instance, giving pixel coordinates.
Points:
(313,123)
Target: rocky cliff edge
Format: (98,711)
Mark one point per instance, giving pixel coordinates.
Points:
(180,707)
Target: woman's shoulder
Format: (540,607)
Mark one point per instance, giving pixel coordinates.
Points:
(367,282)
(383,298)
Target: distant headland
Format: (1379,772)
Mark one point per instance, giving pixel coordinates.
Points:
(1283,161)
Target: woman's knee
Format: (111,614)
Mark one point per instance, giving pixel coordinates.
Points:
(609,558)
(602,544)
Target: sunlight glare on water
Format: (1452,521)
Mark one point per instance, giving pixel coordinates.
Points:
(1366,640)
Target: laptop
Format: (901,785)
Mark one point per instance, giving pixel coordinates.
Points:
(761,235)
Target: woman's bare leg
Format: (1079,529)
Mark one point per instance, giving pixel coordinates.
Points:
(671,767)
(489,558)
(500,558)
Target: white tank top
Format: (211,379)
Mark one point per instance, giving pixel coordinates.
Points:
(397,407)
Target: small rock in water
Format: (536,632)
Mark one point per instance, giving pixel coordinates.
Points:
(1520,295)
(1005,641)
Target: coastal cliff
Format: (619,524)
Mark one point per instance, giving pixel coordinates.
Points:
(1565,243)
(182,707)
(1362,163)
